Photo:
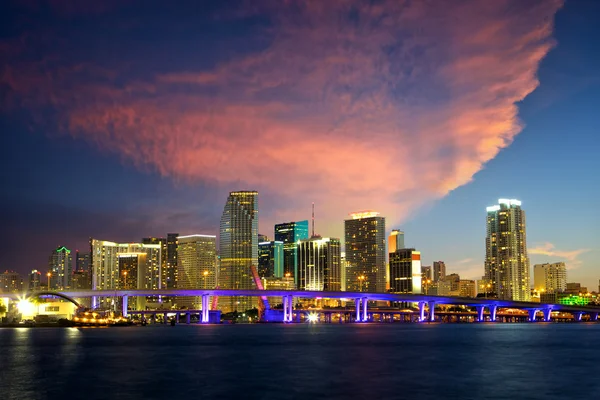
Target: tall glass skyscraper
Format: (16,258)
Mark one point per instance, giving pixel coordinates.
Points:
(506,260)
(290,233)
(60,266)
(365,251)
(319,264)
(238,247)
(170,281)
(197,266)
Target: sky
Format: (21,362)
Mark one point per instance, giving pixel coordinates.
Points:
(127,119)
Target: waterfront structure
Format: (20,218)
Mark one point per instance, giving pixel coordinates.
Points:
(550,278)
(319,265)
(405,271)
(10,282)
(60,267)
(238,247)
(365,250)
(35,280)
(170,274)
(439,270)
(196,265)
(290,233)
(124,265)
(506,260)
(270,259)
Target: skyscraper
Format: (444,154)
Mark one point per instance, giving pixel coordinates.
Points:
(506,261)
(270,259)
(550,278)
(365,250)
(10,282)
(171,265)
(290,233)
(395,240)
(238,247)
(439,271)
(319,265)
(35,280)
(82,261)
(60,266)
(197,266)
(161,272)
(405,271)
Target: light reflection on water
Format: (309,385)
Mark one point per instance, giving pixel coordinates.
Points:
(466,361)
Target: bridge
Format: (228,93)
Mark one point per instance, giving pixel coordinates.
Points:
(426,303)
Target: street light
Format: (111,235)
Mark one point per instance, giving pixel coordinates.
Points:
(427,282)
(361,279)
(205,273)
(125,279)
(488,286)
(49,275)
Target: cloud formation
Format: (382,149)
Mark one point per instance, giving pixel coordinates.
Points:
(351,104)
(570,256)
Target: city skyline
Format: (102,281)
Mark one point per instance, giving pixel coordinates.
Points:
(547,165)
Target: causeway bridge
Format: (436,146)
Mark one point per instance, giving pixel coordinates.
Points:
(426,303)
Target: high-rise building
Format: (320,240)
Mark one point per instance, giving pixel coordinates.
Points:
(290,233)
(125,265)
(395,240)
(270,259)
(550,278)
(60,266)
(35,280)
(197,266)
(426,273)
(82,261)
(238,248)
(405,271)
(439,270)
(365,250)
(161,273)
(10,282)
(467,288)
(170,274)
(506,261)
(344,267)
(319,264)
(82,275)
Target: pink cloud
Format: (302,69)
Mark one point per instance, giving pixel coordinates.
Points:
(550,250)
(353,106)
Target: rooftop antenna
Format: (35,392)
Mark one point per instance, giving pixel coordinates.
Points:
(313,219)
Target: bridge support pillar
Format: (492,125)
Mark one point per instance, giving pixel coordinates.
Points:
(290,308)
(577,316)
(357,304)
(594,316)
(205,313)
(480,313)
(124,311)
(547,314)
(177,316)
(188,317)
(164,318)
(421,311)
(432,311)
(532,313)
(365,316)
(493,310)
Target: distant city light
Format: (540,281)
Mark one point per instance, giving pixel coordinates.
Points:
(312,317)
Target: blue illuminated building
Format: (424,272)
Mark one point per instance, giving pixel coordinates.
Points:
(270,259)
(290,233)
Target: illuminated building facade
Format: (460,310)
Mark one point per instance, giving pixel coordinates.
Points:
(395,240)
(197,266)
(11,282)
(467,288)
(170,281)
(270,259)
(319,265)
(82,261)
(365,251)
(506,260)
(550,278)
(35,280)
(238,248)
(405,271)
(426,273)
(125,265)
(290,233)
(163,251)
(439,270)
(60,265)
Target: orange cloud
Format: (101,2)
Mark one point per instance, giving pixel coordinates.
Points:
(352,105)
(549,250)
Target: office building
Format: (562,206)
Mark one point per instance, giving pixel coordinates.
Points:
(196,266)
(550,278)
(405,271)
(170,274)
(365,250)
(82,280)
(124,265)
(467,288)
(60,266)
(290,233)
(395,240)
(270,259)
(319,265)
(10,282)
(439,270)
(238,248)
(82,261)
(35,280)
(506,260)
